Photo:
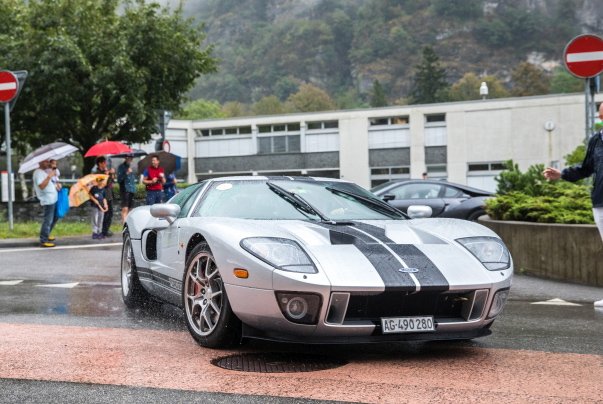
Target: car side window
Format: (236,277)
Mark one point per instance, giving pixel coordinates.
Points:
(186,198)
(450,192)
(417,191)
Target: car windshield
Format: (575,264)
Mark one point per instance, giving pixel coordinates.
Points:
(255,200)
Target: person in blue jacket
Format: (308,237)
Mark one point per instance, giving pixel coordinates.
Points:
(592,165)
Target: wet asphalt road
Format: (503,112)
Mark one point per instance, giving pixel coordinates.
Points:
(95,302)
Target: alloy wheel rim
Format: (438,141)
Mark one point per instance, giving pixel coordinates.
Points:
(203,294)
(126,267)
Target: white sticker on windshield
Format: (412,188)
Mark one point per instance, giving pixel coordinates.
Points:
(224,187)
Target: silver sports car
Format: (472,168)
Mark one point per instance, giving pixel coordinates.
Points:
(312,260)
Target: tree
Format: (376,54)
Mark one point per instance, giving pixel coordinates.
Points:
(468,87)
(378,96)
(529,80)
(310,99)
(564,82)
(201,109)
(234,108)
(270,105)
(429,83)
(464,9)
(98,72)
(285,86)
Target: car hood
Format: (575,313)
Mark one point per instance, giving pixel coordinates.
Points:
(394,255)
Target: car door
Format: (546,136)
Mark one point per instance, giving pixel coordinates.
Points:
(170,260)
(418,193)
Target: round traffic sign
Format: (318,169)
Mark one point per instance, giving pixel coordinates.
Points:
(583,56)
(8,86)
(549,125)
(166,146)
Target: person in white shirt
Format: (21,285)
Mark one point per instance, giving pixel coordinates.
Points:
(46,192)
(55,180)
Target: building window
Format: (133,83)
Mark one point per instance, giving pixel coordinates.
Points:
(435,118)
(243,130)
(323,125)
(394,120)
(437,171)
(278,144)
(380,175)
(497,166)
(281,127)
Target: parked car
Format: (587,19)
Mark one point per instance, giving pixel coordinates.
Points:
(446,199)
(311,260)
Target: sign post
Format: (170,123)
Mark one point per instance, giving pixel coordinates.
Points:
(583,58)
(9,87)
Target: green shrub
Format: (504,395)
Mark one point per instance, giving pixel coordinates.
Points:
(529,197)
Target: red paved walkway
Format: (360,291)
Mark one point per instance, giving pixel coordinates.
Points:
(172,360)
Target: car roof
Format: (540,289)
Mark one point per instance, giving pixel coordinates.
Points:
(470,190)
(274,178)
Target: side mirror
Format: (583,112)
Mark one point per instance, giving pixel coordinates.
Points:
(419,211)
(389,197)
(167,211)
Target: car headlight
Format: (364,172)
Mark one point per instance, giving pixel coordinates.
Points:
(491,251)
(281,253)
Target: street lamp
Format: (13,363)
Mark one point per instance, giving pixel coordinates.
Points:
(483,90)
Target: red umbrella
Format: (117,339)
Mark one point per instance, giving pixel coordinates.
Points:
(107,147)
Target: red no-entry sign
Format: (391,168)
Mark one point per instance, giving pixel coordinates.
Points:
(584,56)
(8,86)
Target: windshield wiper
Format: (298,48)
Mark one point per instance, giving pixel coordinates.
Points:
(372,202)
(296,199)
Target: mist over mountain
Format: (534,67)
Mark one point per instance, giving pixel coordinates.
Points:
(271,47)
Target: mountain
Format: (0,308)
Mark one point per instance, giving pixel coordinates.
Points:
(271,47)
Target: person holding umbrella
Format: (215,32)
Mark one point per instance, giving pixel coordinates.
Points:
(154,178)
(47,193)
(101,168)
(127,186)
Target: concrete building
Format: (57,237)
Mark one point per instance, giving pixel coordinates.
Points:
(464,142)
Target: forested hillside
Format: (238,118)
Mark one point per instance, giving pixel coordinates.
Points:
(272,47)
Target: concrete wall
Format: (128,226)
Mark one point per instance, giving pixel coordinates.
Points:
(267,162)
(570,252)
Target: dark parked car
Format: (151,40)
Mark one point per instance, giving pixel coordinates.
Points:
(446,199)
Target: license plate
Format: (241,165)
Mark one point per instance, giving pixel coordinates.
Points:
(391,325)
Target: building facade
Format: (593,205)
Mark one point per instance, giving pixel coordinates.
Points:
(464,142)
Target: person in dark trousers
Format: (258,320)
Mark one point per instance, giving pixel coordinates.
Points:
(98,196)
(127,187)
(592,164)
(169,188)
(101,168)
(154,178)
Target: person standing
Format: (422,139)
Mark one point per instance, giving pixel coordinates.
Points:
(98,196)
(46,191)
(592,164)
(169,188)
(101,168)
(127,187)
(154,178)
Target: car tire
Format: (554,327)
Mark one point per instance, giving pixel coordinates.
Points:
(473,216)
(208,315)
(133,293)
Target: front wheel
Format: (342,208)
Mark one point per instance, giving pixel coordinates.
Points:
(209,317)
(133,293)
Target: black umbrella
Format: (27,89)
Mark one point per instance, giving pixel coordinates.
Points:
(168,161)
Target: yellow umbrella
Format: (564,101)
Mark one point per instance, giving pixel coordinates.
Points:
(80,192)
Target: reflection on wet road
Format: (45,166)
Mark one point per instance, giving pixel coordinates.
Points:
(71,300)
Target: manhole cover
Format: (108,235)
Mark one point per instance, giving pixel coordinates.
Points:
(278,363)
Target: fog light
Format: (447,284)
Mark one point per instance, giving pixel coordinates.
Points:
(498,303)
(302,308)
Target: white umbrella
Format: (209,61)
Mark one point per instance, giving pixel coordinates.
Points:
(54,151)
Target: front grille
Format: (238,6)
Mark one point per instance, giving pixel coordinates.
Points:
(441,305)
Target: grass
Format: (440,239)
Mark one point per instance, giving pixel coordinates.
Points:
(32,229)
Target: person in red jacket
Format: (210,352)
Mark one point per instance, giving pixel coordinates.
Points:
(154,178)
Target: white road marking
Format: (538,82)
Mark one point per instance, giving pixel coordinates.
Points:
(584,57)
(10,283)
(60,285)
(557,302)
(8,86)
(64,247)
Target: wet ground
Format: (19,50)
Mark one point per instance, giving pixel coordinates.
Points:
(65,328)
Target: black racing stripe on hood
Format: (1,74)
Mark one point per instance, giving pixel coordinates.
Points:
(384,262)
(429,276)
